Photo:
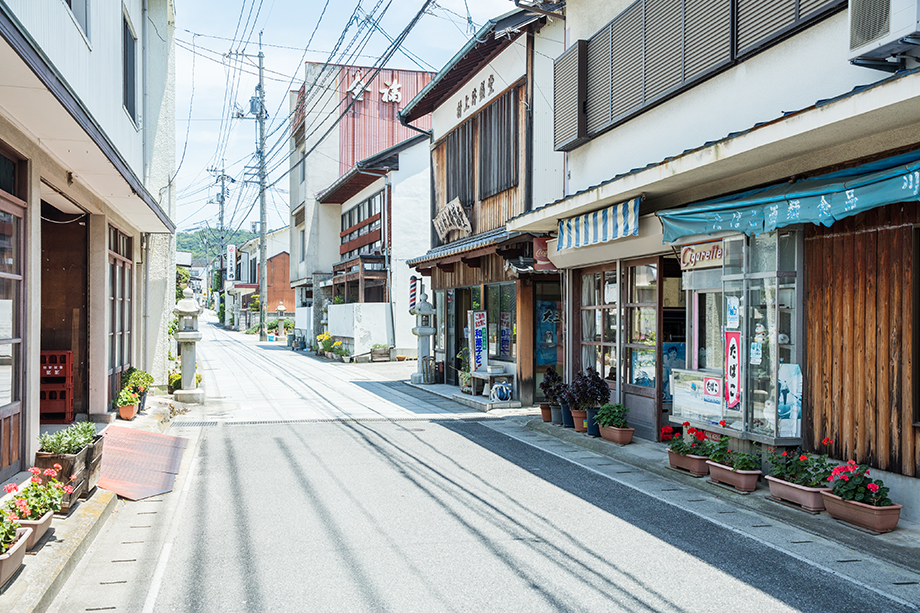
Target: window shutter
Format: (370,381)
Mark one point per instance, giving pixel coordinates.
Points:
(570,129)
(663,54)
(707,35)
(626,60)
(299,217)
(498,145)
(806,7)
(460,164)
(761,19)
(598,86)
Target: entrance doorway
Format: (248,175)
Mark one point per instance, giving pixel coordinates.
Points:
(460,300)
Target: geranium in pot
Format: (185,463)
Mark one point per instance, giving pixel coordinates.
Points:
(13,539)
(37,503)
(858,499)
(740,470)
(688,454)
(799,477)
(611,419)
(127,404)
(139,382)
(550,385)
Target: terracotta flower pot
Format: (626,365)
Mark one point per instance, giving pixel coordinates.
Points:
(39,527)
(556,411)
(580,417)
(809,498)
(620,436)
(696,465)
(545,412)
(741,480)
(877,519)
(11,559)
(127,412)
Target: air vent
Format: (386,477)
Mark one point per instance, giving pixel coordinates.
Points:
(869,20)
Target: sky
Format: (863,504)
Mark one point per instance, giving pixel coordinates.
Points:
(211,82)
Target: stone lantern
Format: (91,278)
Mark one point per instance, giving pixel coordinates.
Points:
(187,335)
(281,309)
(424,330)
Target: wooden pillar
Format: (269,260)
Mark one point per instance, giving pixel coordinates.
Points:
(361,281)
(525,341)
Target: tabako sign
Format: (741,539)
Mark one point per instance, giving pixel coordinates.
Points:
(701,255)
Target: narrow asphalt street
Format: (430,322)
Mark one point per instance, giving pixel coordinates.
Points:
(317,486)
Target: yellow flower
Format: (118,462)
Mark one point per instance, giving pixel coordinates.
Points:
(337,343)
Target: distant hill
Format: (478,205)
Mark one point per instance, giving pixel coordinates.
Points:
(204,243)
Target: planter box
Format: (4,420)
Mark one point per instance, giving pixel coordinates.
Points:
(11,559)
(620,436)
(545,412)
(380,355)
(809,498)
(93,463)
(71,464)
(580,417)
(696,465)
(876,519)
(39,527)
(741,480)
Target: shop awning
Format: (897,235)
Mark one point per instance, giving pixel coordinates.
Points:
(600,226)
(819,200)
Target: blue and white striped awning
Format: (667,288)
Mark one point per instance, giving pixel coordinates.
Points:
(600,226)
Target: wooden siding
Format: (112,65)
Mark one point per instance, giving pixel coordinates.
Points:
(490,213)
(859,313)
(492,270)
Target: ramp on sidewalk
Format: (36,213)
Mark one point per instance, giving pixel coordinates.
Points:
(138,464)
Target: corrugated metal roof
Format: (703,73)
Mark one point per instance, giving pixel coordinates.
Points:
(858,89)
(464,245)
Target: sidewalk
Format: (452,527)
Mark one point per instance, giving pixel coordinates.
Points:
(46,569)
(900,547)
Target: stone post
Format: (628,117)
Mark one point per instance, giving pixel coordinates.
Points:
(188,310)
(424,313)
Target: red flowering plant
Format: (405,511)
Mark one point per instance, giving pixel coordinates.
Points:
(694,443)
(36,498)
(9,523)
(801,468)
(719,452)
(852,482)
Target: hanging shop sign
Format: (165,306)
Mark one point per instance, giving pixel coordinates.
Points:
(732,369)
(701,255)
(541,255)
(477,340)
(452,217)
(231,262)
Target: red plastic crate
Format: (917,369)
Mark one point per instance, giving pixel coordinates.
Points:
(56,363)
(56,418)
(56,398)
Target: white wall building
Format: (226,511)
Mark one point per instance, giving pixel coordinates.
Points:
(87,140)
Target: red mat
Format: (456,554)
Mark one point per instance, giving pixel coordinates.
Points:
(138,464)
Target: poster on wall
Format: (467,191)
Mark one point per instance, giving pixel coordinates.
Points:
(693,398)
(504,334)
(790,400)
(732,369)
(674,355)
(548,318)
(477,340)
(733,312)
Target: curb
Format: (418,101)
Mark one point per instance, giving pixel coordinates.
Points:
(900,548)
(44,574)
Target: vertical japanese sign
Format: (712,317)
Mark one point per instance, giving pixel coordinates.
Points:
(504,332)
(231,262)
(732,369)
(478,340)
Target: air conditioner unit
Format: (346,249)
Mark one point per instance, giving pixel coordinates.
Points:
(881,29)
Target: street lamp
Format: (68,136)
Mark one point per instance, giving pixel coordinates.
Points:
(281,310)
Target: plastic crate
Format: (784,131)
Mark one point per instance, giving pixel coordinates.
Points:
(56,363)
(56,418)
(55,398)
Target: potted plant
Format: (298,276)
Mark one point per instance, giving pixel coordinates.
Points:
(549,385)
(740,470)
(589,392)
(67,448)
(799,477)
(611,419)
(36,504)
(380,352)
(127,404)
(13,539)
(139,382)
(566,401)
(688,456)
(858,499)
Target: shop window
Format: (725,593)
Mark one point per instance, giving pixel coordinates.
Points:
(440,342)
(501,317)
(549,311)
(641,316)
(120,287)
(600,323)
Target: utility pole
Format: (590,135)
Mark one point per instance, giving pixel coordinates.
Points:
(263,214)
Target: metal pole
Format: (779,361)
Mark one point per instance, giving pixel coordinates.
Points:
(263,215)
(220,235)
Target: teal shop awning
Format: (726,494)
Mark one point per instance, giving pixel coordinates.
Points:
(818,200)
(600,226)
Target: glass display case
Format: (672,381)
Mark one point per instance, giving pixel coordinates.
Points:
(758,374)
